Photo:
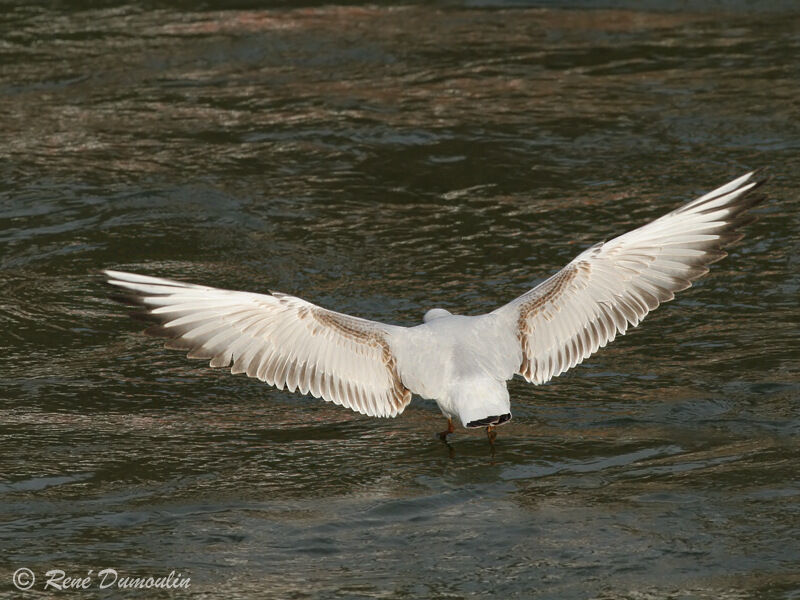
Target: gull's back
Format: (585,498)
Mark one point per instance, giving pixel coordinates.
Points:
(451,350)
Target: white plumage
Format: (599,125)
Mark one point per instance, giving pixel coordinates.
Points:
(461,362)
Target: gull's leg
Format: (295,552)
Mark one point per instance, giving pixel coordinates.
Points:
(450,429)
(491,433)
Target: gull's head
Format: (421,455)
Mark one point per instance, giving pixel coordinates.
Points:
(435,313)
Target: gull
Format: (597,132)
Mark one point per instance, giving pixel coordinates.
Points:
(461,362)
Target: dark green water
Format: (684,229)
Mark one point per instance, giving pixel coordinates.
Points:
(382,161)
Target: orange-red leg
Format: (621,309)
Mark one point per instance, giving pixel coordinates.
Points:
(450,429)
(491,433)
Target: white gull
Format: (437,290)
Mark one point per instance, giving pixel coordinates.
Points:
(461,362)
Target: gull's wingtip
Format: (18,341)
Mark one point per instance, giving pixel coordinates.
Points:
(757,177)
(762,175)
(114,274)
(115,278)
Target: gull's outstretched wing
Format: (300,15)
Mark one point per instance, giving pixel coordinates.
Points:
(280,339)
(615,284)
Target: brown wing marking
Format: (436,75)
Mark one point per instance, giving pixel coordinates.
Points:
(552,290)
(351,328)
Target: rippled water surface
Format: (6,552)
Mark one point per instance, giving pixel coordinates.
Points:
(381,161)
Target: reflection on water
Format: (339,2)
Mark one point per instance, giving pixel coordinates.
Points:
(381,161)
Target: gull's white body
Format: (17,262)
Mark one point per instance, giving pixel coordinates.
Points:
(461,362)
